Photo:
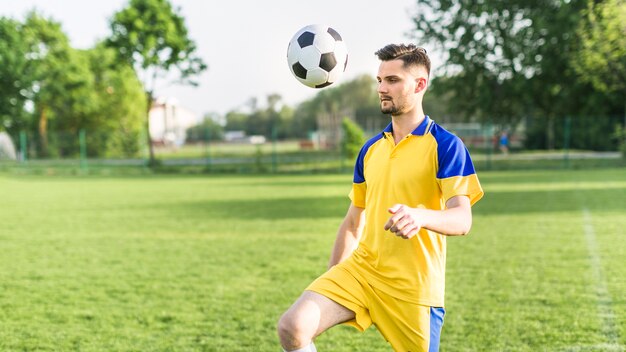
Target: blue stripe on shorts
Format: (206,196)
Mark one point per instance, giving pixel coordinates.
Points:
(436,322)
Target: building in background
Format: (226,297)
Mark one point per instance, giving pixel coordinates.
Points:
(169,122)
(7,148)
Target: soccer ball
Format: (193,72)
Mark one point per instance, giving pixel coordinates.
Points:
(317,56)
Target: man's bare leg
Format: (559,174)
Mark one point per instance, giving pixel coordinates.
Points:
(308,317)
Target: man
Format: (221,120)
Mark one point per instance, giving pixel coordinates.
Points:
(504,142)
(414,183)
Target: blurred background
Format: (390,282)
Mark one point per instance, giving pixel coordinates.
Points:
(167,85)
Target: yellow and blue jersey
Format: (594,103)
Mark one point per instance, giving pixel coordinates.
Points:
(425,169)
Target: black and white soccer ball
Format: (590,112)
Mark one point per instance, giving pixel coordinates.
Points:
(317,56)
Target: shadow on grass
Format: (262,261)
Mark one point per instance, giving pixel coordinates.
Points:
(551,201)
(553,177)
(269,209)
(494,203)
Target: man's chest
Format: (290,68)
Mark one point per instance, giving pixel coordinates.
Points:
(410,165)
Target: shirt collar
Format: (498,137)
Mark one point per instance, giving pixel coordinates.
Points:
(419,131)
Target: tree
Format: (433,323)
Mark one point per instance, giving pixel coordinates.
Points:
(267,121)
(358,95)
(602,55)
(54,91)
(15,80)
(236,121)
(208,130)
(117,122)
(601,59)
(505,61)
(61,84)
(353,138)
(152,37)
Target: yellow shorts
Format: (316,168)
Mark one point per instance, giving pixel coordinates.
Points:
(406,326)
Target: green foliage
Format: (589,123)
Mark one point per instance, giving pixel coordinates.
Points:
(269,121)
(68,90)
(357,96)
(509,60)
(236,121)
(146,263)
(207,131)
(15,76)
(601,59)
(264,121)
(584,132)
(620,136)
(353,138)
(496,51)
(152,36)
(121,105)
(602,55)
(62,85)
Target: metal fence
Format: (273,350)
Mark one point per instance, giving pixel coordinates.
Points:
(566,142)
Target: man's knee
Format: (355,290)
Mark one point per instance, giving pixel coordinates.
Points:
(293,330)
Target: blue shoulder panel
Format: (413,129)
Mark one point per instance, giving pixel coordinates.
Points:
(452,156)
(359,176)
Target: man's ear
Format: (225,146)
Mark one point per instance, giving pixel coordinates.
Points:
(421,84)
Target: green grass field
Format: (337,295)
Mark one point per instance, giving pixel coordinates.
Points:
(199,263)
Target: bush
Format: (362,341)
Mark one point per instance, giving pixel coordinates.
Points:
(353,138)
(208,130)
(620,136)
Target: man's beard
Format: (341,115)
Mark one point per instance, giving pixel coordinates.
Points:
(393,109)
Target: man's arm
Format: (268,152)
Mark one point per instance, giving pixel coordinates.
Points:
(455,220)
(348,235)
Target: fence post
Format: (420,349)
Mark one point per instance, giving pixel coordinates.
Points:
(83,149)
(145,156)
(23,147)
(488,144)
(274,151)
(207,144)
(342,157)
(566,140)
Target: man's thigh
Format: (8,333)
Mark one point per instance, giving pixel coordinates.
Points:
(407,326)
(317,312)
(341,287)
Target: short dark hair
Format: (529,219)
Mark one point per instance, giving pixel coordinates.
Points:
(410,54)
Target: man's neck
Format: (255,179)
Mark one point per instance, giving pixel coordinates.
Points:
(403,125)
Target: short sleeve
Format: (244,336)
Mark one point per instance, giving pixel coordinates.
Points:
(357,194)
(456,175)
(359,185)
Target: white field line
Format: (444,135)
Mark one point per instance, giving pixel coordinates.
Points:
(604,303)
(594,348)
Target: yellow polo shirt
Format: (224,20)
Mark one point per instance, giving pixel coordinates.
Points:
(425,169)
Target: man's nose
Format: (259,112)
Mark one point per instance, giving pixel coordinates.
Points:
(381,88)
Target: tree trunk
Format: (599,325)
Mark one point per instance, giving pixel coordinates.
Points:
(622,143)
(550,133)
(43,131)
(152,160)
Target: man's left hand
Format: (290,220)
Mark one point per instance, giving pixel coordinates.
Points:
(405,221)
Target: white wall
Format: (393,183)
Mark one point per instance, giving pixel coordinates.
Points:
(170,121)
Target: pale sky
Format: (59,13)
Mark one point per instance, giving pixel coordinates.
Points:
(244,42)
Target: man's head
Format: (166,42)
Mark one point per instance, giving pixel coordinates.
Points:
(402,78)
